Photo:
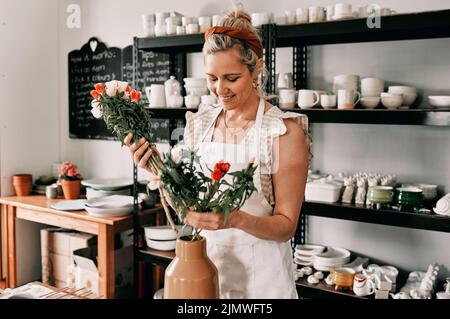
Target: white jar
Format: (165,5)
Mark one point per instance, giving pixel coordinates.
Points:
(172,87)
(175,100)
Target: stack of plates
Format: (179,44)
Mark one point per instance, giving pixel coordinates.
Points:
(108,206)
(98,187)
(333,258)
(161,237)
(304,254)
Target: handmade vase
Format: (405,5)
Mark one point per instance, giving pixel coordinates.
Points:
(23,184)
(71,189)
(191,274)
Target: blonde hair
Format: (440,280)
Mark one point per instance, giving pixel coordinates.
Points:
(241,20)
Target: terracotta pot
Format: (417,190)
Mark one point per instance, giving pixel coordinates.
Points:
(23,188)
(71,189)
(191,274)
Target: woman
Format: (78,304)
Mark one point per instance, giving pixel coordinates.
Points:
(251,250)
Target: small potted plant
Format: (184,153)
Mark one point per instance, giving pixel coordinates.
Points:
(70,180)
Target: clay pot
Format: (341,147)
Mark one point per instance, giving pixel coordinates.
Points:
(23,184)
(71,189)
(191,274)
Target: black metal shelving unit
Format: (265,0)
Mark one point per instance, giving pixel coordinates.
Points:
(422,25)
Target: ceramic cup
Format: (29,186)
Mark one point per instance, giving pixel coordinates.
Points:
(307,98)
(347,99)
(380,194)
(156,95)
(286,98)
(363,285)
(302,15)
(192,101)
(408,198)
(316,14)
(51,191)
(328,101)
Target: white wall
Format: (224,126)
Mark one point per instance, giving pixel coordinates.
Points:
(29,107)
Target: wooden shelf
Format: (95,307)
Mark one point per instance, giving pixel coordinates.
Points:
(374,216)
(157,257)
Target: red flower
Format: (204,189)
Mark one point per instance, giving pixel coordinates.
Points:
(217,175)
(100,88)
(128,89)
(135,96)
(95,94)
(223,167)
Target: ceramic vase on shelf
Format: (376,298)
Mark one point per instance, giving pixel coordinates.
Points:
(71,189)
(191,274)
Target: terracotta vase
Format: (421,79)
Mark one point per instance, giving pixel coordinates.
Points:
(71,189)
(191,274)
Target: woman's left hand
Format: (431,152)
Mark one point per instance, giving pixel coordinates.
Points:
(207,221)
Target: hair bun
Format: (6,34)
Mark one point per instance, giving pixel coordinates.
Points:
(233,15)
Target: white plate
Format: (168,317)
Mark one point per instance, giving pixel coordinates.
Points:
(108,212)
(92,193)
(309,250)
(302,262)
(69,205)
(108,184)
(113,201)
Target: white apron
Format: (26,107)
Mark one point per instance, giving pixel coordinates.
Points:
(249,267)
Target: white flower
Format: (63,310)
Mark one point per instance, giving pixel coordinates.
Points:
(96,109)
(111,87)
(177,154)
(121,86)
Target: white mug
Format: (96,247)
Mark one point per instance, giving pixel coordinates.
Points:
(328,101)
(302,15)
(346,99)
(192,28)
(204,23)
(289,17)
(156,95)
(316,14)
(307,98)
(330,13)
(342,9)
(363,285)
(286,98)
(160,30)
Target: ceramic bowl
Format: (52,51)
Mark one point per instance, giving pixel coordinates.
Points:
(391,103)
(409,196)
(108,212)
(439,101)
(161,244)
(309,250)
(409,98)
(161,232)
(370,102)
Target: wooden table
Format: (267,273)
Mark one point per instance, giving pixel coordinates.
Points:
(37,209)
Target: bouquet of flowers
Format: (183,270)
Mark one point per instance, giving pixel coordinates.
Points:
(69,172)
(182,184)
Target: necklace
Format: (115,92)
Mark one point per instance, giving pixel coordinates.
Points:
(233,130)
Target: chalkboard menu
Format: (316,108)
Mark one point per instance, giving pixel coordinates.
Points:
(93,63)
(96,63)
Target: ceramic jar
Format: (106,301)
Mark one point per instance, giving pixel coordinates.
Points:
(172,87)
(191,274)
(408,198)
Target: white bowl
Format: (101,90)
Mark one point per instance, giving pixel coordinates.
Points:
(199,91)
(401,89)
(161,244)
(195,81)
(161,232)
(112,201)
(409,98)
(333,255)
(442,295)
(439,100)
(391,103)
(108,212)
(370,102)
(108,184)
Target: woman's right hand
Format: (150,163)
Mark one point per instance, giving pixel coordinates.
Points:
(140,152)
